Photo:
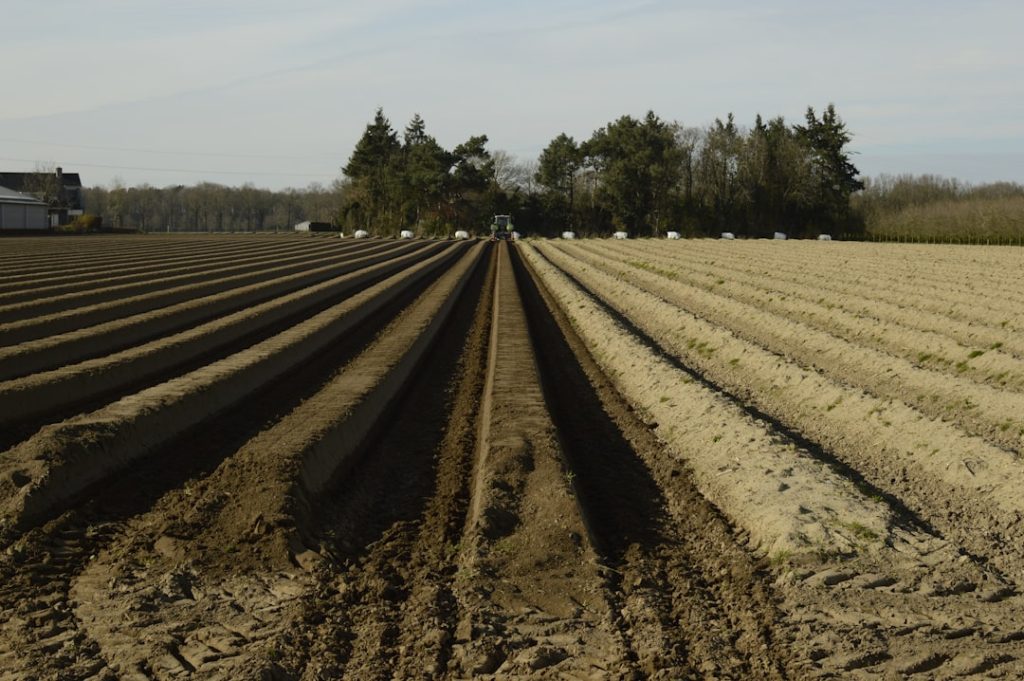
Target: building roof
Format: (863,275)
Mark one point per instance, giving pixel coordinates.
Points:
(62,191)
(18,181)
(11,196)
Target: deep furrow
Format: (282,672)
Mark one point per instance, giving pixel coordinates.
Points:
(43,473)
(262,498)
(991,356)
(152,492)
(392,523)
(997,416)
(167,267)
(75,385)
(953,320)
(80,343)
(529,586)
(685,619)
(122,252)
(877,585)
(21,325)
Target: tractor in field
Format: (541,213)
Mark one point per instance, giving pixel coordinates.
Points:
(501,228)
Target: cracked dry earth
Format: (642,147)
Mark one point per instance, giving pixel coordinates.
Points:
(257,457)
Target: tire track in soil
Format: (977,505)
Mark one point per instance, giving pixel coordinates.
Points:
(387,608)
(39,634)
(408,600)
(532,600)
(691,599)
(384,607)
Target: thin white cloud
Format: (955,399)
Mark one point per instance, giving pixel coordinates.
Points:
(146,60)
(284,79)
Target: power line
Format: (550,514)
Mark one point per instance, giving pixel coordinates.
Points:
(176,170)
(163,151)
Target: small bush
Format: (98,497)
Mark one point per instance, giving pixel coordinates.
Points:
(83,223)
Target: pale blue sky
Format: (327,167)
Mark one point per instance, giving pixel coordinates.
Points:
(277,92)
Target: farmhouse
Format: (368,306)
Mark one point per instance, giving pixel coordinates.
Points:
(61,191)
(19,211)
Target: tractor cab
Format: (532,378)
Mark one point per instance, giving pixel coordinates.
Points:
(501,228)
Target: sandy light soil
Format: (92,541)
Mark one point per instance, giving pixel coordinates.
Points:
(293,457)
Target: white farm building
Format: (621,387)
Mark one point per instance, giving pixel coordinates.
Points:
(20,211)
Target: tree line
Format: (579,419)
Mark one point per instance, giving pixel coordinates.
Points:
(643,175)
(209,207)
(933,208)
(413,182)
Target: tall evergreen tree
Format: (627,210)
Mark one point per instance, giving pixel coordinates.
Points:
(372,170)
(723,195)
(639,167)
(472,189)
(425,166)
(775,173)
(416,131)
(557,168)
(834,174)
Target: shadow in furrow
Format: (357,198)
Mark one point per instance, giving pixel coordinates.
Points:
(98,518)
(199,450)
(393,474)
(394,515)
(694,603)
(905,517)
(16,432)
(624,505)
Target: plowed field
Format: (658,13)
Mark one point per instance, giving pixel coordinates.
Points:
(285,457)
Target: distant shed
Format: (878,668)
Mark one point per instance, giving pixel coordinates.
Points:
(310,226)
(19,211)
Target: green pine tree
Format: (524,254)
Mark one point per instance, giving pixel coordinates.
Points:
(835,176)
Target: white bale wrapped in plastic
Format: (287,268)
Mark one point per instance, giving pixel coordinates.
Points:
(824,237)
(461,234)
(406,234)
(728,235)
(673,235)
(568,235)
(620,235)
(515,236)
(361,234)
(781,236)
